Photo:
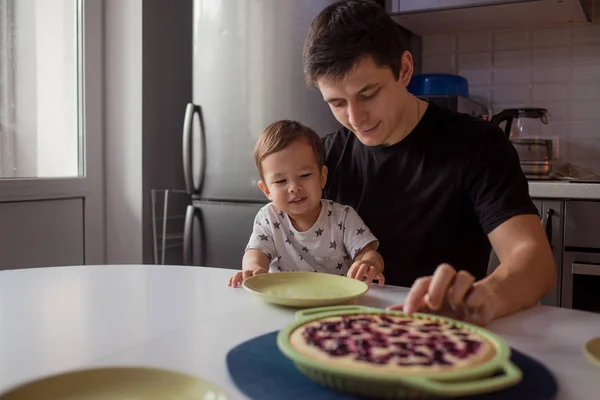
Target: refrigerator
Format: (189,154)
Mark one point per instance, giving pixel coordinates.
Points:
(248,73)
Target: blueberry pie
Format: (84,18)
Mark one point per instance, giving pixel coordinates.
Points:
(391,344)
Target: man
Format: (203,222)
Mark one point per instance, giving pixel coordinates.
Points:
(435,187)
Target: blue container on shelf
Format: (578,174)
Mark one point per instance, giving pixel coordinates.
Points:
(438,84)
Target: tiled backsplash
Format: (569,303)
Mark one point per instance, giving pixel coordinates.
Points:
(558,69)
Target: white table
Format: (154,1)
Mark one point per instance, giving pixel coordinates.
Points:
(186,319)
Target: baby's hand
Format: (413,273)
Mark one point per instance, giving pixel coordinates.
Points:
(237,279)
(363,269)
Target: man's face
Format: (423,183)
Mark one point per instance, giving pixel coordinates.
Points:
(369,101)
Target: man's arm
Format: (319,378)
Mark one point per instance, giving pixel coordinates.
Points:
(527,270)
(525,274)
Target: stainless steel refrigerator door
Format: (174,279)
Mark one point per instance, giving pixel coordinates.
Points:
(247,74)
(216,233)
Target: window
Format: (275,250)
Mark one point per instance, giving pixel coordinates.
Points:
(41,88)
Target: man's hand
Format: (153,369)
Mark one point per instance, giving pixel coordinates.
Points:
(364,269)
(240,276)
(451,294)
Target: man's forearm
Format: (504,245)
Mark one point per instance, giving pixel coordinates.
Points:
(526,275)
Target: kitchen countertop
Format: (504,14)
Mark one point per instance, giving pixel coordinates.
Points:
(186,319)
(564,190)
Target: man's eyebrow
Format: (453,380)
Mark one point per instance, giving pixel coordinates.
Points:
(362,90)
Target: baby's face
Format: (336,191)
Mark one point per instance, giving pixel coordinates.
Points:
(293,180)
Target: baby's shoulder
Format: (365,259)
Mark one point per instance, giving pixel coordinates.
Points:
(336,208)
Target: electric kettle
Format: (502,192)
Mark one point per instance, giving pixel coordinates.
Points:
(526,128)
(522,122)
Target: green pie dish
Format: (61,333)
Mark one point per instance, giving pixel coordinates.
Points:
(478,379)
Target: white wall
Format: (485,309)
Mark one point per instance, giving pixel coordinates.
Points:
(148,57)
(123,130)
(557,68)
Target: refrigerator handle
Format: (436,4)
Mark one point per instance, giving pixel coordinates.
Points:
(187,148)
(188,240)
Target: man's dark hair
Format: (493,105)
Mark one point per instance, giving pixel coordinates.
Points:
(347,31)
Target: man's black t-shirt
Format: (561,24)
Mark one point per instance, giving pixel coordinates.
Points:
(432,197)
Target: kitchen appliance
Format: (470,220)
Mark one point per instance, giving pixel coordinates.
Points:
(247,74)
(438,84)
(459,104)
(526,129)
(521,122)
(580,281)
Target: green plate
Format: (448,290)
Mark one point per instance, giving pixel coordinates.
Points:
(592,350)
(123,383)
(469,381)
(305,289)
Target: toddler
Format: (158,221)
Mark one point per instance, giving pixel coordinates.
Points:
(297,230)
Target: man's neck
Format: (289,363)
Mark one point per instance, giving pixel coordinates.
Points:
(414,111)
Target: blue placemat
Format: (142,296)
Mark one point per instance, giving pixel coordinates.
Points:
(262,372)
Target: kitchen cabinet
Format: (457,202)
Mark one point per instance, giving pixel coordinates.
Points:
(580,281)
(431,17)
(551,213)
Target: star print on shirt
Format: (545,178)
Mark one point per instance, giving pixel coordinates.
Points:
(291,233)
(281,214)
(305,249)
(340,225)
(331,202)
(263,237)
(339,266)
(300,255)
(356,252)
(279,268)
(276,225)
(333,245)
(347,256)
(329,213)
(319,232)
(287,240)
(360,231)
(258,223)
(267,221)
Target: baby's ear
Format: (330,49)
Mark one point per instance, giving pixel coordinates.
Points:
(265,189)
(324,171)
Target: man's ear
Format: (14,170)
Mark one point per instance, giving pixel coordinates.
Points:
(323,176)
(262,186)
(406,68)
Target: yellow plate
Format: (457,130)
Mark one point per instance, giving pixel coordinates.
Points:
(592,350)
(117,384)
(305,289)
